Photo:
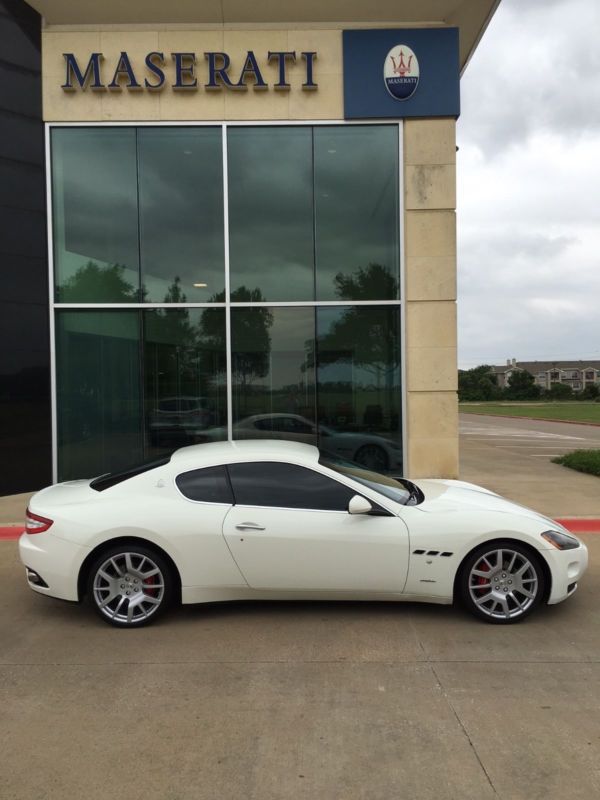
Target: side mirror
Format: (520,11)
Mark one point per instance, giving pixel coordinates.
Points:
(359,505)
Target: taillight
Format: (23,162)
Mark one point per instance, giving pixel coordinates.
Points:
(35,523)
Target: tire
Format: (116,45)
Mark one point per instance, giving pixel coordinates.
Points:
(130,585)
(502,582)
(372,457)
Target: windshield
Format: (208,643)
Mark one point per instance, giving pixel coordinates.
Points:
(385,485)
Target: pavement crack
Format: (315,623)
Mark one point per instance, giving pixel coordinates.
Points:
(451,706)
(462,727)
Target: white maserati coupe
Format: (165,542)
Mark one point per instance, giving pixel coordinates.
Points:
(275,520)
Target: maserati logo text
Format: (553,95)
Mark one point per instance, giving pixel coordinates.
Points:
(401,72)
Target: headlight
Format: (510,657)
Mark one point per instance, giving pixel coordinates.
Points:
(562,541)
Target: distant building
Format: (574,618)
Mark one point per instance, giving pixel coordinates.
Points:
(576,374)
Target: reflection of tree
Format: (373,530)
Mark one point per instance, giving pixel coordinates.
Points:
(374,282)
(95,284)
(362,336)
(250,337)
(365,337)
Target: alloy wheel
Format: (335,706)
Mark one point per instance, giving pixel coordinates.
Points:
(128,588)
(503,584)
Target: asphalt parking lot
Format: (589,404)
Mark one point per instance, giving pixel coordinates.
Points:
(514,458)
(340,701)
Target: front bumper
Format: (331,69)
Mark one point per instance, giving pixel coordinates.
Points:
(567,567)
(56,561)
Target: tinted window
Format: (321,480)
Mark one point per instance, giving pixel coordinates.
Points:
(208,485)
(286,486)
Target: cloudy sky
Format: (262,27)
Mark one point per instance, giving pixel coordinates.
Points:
(529,186)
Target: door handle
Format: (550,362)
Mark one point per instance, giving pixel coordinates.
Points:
(249,526)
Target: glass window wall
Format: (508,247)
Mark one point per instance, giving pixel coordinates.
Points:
(132,385)
(138,215)
(356,212)
(181,214)
(313,216)
(271,212)
(95,215)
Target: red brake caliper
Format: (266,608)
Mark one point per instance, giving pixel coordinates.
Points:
(483,567)
(148,585)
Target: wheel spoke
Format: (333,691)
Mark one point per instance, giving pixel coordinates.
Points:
(128,562)
(118,608)
(517,601)
(117,568)
(481,600)
(152,571)
(526,592)
(130,613)
(108,599)
(105,575)
(504,603)
(153,600)
(522,570)
(512,562)
(481,573)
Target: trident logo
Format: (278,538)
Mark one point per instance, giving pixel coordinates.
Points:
(401,68)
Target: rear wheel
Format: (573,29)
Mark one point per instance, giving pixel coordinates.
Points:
(502,583)
(130,586)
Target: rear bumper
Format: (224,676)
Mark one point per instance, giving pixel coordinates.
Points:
(567,567)
(56,561)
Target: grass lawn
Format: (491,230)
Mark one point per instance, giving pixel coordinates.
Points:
(569,412)
(581,460)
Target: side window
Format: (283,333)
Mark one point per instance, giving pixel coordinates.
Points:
(278,485)
(208,485)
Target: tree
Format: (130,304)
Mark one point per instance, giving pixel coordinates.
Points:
(559,391)
(591,392)
(522,386)
(478,384)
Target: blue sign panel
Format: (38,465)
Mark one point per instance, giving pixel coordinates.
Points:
(401,72)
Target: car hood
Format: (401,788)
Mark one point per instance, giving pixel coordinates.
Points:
(445,496)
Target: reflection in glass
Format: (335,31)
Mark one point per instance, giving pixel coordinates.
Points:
(184,376)
(98,392)
(356,212)
(181,213)
(359,386)
(273,383)
(271,211)
(95,215)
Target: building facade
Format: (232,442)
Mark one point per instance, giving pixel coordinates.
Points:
(251,225)
(576,374)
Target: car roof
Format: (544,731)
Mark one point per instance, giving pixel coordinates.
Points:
(245,450)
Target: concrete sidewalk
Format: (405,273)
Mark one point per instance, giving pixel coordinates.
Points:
(513,458)
(12,508)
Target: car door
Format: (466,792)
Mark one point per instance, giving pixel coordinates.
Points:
(290,530)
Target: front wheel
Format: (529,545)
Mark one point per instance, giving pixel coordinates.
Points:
(502,583)
(129,586)
(373,457)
